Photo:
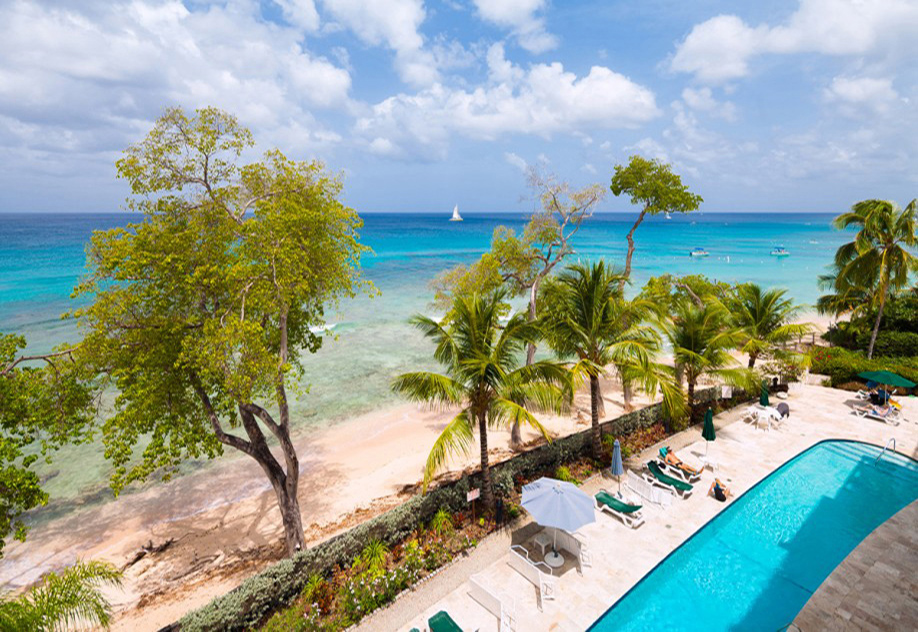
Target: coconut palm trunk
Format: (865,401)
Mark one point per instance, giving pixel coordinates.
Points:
(595,434)
(876,323)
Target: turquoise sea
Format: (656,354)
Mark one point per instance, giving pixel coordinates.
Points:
(42,256)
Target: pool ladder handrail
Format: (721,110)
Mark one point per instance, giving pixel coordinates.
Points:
(785,628)
(880,456)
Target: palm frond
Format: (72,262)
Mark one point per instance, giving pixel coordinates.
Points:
(455,439)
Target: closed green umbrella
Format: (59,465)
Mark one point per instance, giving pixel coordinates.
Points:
(763,398)
(708,431)
(887,378)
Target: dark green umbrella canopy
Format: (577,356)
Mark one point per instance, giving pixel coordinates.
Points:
(763,398)
(887,378)
(708,431)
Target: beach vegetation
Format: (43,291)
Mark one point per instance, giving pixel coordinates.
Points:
(483,379)
(46,401)
(588,319)
(702,337)
(666,290)
(201,314)
(518,264)
(878,262)
(842,366)
(652,185)
(441,523)
(62,601)
(765,319)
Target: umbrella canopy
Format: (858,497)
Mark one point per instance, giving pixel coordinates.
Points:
(763,398)
(708,431)
(887,378)
(558,504)
(617,468)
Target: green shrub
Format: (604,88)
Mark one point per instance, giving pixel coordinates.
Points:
(441,523)
(563,473)
(892,343)
(842,366)
(374,557)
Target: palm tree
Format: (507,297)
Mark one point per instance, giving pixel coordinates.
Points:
(587,318)
(702,337)
(763,317)
(483,377)
(69,599)
(880,256)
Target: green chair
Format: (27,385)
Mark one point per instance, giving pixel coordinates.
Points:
(657,477)
(442,622)
(626,512)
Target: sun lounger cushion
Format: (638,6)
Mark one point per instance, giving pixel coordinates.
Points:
(668,480)
(442,622)
(614,503)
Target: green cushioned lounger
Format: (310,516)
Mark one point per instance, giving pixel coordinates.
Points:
(442,622)
(614,503)
(668,480)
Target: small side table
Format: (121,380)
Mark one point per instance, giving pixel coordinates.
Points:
(708,462)
(543,541)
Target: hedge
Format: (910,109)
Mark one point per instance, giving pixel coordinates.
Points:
(277,586)
(891,343)
(842,366)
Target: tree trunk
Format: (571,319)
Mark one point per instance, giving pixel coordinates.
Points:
(628,394)
(594,415)
(691,401)
(751,360)
(487,494)
(876,324)
(630,238)
(516,437)
(600,402)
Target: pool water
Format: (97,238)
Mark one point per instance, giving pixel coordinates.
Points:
(755,565)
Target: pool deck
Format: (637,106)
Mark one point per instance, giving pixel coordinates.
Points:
(875,587)
(621,556)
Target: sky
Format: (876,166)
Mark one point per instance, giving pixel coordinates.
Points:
(786,105)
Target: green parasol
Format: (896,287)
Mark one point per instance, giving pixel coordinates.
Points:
(708,431)
(886,378)
(763,398)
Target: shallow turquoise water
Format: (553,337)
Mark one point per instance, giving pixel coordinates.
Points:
(754,566)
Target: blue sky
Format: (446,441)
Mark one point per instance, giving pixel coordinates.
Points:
(797,105)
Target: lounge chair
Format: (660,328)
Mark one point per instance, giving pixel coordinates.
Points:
(888,414)
(614,506)
(679,469)
(442,622)
(650,493)
(656,476)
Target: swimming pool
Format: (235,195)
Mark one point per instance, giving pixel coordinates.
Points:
(755,565)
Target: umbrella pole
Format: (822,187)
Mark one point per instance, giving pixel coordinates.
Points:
(706,444)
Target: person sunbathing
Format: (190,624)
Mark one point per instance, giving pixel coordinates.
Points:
(719,490)
(671,459)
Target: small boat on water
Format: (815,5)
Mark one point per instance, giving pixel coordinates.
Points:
(456,216)
(779,251)
(699,252)
(668,216)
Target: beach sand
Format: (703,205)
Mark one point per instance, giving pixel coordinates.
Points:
(223,520)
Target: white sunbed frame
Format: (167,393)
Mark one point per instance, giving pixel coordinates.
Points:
(678,472)
(893,418)
(496,603)
(545,582)
(650,493)
(654,481)
(634,519)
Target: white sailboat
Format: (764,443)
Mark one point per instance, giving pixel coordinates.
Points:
(456,216)
(668,216)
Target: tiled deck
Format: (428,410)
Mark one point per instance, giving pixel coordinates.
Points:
(876,587)
(621,556)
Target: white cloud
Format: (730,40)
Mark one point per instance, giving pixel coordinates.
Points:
(721,48)
(522,19)
(543,100)
(588,168)
(395,24)
(875,94)
(516,161)
(300,13)
(702,99)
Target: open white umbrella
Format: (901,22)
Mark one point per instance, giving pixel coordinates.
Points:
(558,505)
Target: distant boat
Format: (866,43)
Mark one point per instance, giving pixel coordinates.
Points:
(779,251)
(456,216)
(699,252)
(668,216)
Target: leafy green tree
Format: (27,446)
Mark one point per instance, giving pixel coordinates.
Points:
(587,318)
(519,264)
(668,289)
(652,185)
(483,379)
(201,315)
(41,408)
(880,258)
(765,320)
(62,601)
(702,337)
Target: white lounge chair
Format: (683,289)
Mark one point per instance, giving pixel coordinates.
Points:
(689,474)
(889,414)
(649,492)
(545,582)
(628,513)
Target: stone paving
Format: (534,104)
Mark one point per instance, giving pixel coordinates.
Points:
(875,587)
(621,556)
